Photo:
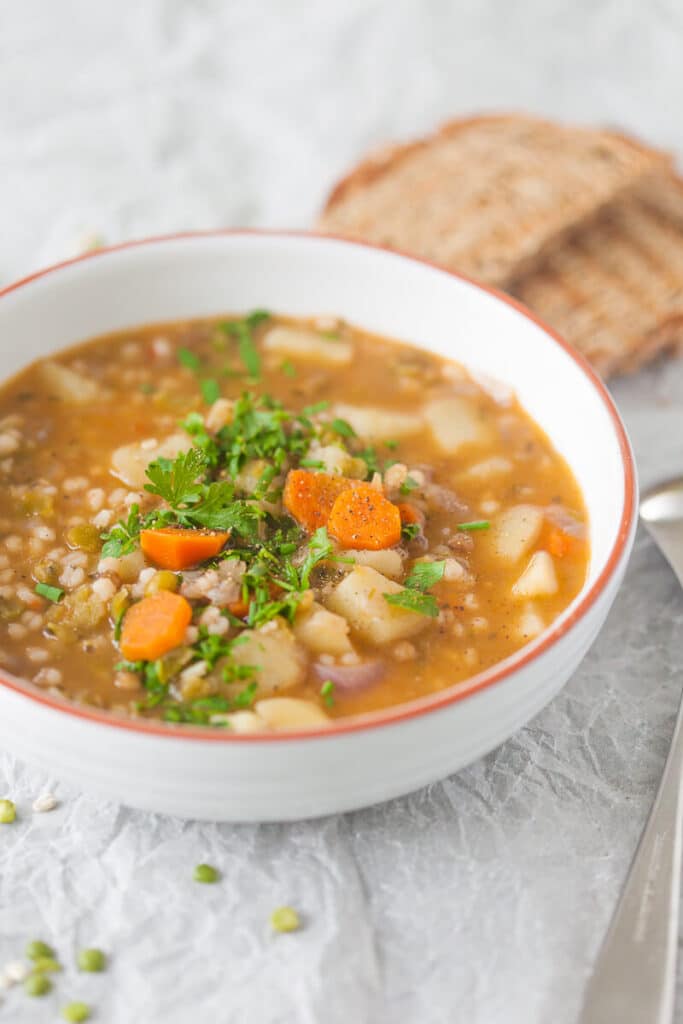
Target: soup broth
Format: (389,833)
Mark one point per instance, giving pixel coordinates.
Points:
(259,523)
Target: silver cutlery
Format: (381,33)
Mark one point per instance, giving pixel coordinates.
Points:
(634,978)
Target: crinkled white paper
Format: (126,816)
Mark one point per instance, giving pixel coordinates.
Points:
(482,899)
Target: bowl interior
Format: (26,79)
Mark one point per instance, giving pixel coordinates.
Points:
(381,291)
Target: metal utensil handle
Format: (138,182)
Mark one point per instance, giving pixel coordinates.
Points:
(634,978)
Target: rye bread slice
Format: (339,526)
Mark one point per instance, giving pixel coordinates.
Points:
(489,196)
(615,289)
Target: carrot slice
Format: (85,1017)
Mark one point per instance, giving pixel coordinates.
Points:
(154,625)
(173,547)
(560,543)
(410,514)
(363,518)
(239,608)
(309,496)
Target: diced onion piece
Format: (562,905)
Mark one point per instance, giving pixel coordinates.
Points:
(351,677)
(290,713)
(323,632)
(457,422)
(68,384)
(379,424)
(307,345)
(275,655)
(539,579)
(360,599)
(129,462)
(515,532)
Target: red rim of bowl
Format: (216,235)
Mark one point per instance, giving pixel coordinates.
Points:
(422,706)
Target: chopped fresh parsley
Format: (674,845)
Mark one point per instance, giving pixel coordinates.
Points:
(327,693)
(408,485)
(414,601)
(342,428)
(320,547)
(176,480)
(369,457)
(413,598)
(211,391)
(311,410)
(392,445)
(425,574)
(476,524)
(190,360)
(54,594)
(409,531)
(122,538)
(288,368)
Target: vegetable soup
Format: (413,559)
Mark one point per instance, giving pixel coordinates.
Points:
(258,523)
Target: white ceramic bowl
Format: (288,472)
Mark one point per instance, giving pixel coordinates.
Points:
(197,773)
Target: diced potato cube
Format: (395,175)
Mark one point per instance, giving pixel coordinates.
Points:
(308,345)
(67,384)
(129,462)
(457,422)
(273,651)
(388,561)
(515,532)
(290,713)
(323,632)
(379,424)
(530,624)
(539,579)
(241,722)
(360,599)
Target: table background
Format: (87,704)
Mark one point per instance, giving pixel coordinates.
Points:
(483,898)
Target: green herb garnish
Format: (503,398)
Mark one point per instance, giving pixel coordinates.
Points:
(408,485)
(190,360)
(122,538)
(413,598)
(288,368)
(476,524)
(54,594)
(342,428)
(176,480)
(414,601)
(425,574)
(327,693)
(211,391)
(320,547)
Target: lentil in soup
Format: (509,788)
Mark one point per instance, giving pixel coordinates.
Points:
(261,523)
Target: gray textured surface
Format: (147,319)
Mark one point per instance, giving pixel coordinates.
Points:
(482,898)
